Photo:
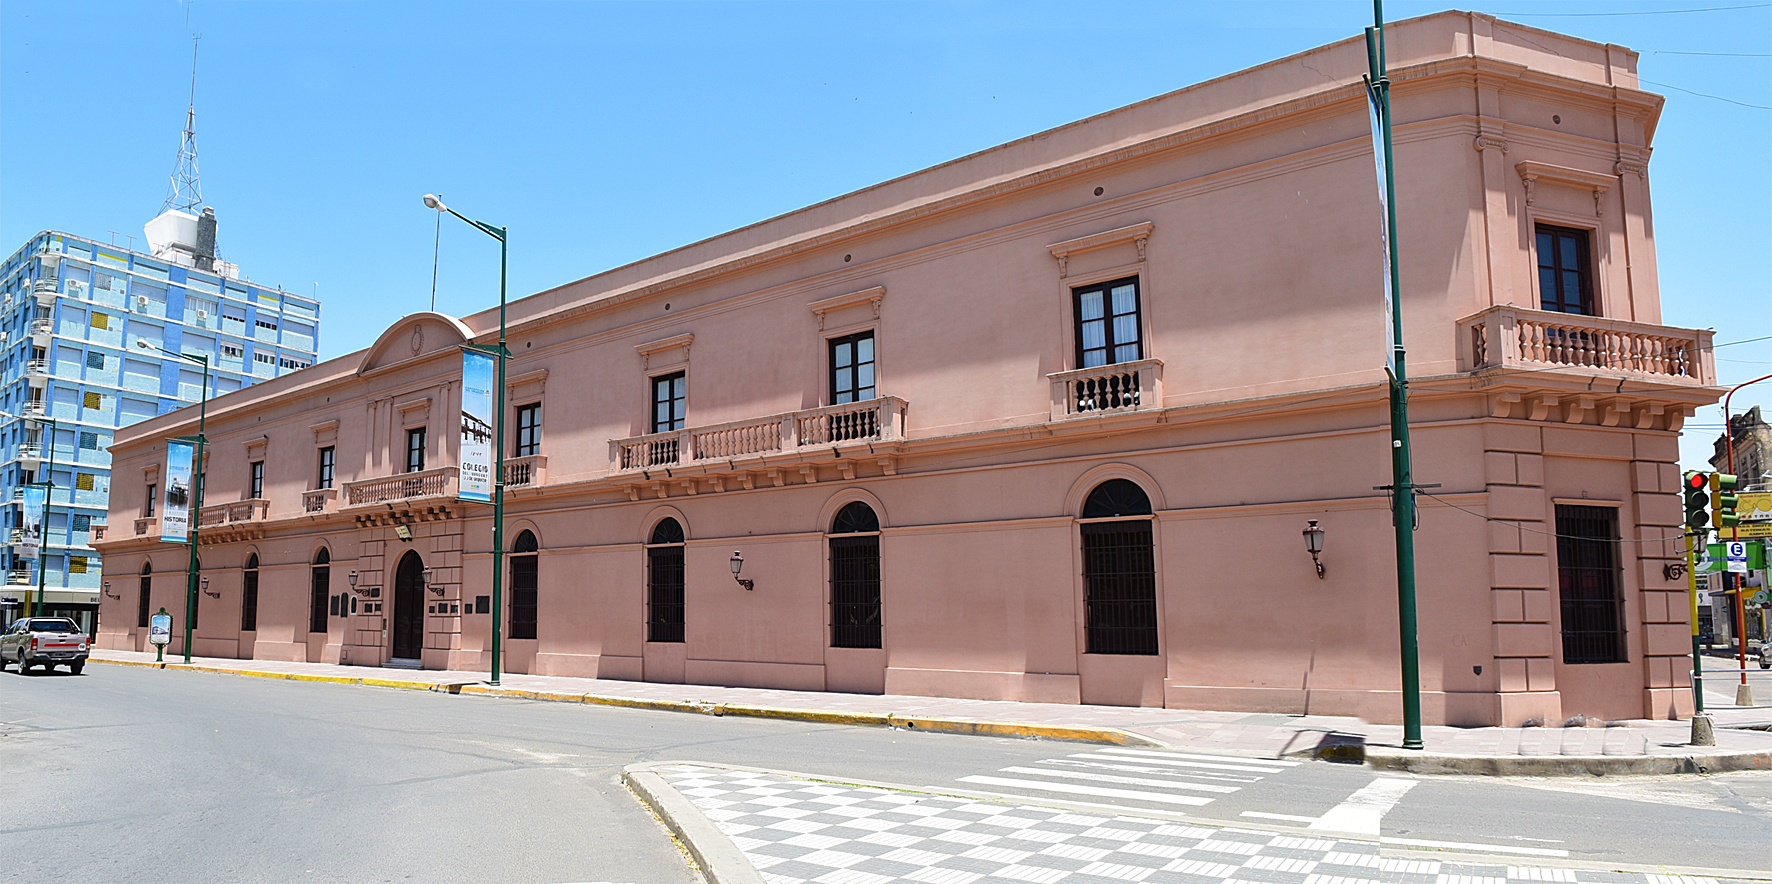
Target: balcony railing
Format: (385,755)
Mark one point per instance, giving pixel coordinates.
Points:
(874,420)
(320,500)
(217,514)
(430,483)
(143,526)
(42,326)
(1107,389)
(1504,337)
(37,366)
(34,408)
(27,451)
(525,471)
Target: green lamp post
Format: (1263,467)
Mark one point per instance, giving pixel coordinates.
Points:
(197,487)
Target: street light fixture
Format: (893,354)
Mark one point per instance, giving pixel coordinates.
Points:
(737,562)
(1313,541)
(500,354)
(197,497)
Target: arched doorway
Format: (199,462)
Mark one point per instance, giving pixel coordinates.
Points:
(409,608)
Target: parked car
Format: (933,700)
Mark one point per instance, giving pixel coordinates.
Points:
(43,641)
(1766,655)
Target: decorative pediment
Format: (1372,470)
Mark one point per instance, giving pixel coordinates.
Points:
(414,337)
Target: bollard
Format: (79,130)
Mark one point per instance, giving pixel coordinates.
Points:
(1703,734)
(1744,695)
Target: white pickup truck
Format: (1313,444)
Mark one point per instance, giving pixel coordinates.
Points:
(43,641)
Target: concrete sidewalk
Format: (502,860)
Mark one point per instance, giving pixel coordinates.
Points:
(1744,736)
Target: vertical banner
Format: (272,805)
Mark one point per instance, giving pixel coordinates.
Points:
(31,531)
(1381,161)
(475,482)
(175,515)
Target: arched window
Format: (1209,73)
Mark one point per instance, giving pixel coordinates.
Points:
(249,595)
(322,590)
(142,605)
(1119,572)
(523,581)
(855,577)
(664,583)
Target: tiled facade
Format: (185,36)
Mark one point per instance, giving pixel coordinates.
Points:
(1042,423)
(71,315)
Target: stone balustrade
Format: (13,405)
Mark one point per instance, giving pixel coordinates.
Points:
(1107,389)
(873,420)
(1508,337)
(405,486)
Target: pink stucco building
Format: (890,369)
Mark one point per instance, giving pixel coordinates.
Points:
(1042,423)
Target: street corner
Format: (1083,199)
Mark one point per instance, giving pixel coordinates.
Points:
(714,853)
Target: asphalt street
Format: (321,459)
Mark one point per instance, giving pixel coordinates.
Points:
(128,774)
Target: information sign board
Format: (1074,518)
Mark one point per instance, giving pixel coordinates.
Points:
(160,629)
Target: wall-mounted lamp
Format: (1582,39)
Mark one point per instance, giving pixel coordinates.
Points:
(352,577)
(403,532)
(1313,541)
(109,593)
(426,575)
(738,565)
(213,595)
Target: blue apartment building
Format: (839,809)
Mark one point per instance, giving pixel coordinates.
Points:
(82,324)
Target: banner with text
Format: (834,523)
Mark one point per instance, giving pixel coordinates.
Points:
(175,513)
(475,482)
(1381,163)
(30,534)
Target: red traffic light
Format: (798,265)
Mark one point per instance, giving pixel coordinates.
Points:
(1697,482)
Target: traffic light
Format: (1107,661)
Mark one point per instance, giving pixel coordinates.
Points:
(1697,498)
(1723,500)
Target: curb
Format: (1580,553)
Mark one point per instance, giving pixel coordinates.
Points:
(720,860)
(1410,761)
(1069,733)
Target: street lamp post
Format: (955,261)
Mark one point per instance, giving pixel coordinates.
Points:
(197,486)
(500,354)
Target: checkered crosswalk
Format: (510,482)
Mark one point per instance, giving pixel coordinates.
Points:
(797,831)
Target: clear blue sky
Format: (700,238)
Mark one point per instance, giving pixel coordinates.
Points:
(601,133)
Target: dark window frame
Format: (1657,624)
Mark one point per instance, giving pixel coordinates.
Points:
(665,589)
(1555,268)
(249,595)
(1117,532)
(320,589)
(153,500)
(328,466)
(848,389)
(145,603)
(854,544)
(525,579)
(1590,585)
(415,453)
(528,423)
(677,398)
(256,480)
(1110,343)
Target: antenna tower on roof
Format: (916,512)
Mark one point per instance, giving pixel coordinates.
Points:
(187,192)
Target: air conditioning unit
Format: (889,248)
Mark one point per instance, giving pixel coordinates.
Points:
(202,315)
(141,302)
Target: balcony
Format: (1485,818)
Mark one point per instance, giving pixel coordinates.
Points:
(523,472)
(143,526)
(37,371)
(41,331)
(1107,389)
(320,500)
(29,452)
(233,522)
(1517,338)
(403,487)
(19,578)
(34,408)
(875,420)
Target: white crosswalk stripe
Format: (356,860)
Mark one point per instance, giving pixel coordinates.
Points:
(1163,778)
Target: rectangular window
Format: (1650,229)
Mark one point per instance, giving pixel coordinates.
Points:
(81,523)
(84,481)
(415,450)
(144,602)
(322,591)
(528,429)
(76,564)
(1565,271)
(95,360)
(92,400)
(852,368)
(664,620)
(1108,323)
(326,467)
(233,350)
(249,600)
(100,320)
(855,591)
(153,498)
(257,481)
(264,358)
(1588,584)
(89,441)
(668,400)
(523,586)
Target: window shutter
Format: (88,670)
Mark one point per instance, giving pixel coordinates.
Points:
(89,441)
(76,564)
(95,360)
(100,320)
(83,481)
(92,401)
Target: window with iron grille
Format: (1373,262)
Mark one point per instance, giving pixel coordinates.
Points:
(92,400)
(1565,276)
(249,595)
(95,360)
(1107,319)
(664,583)
(76,564)
(327,463)
(852,368)
(321,591)
(415,450)
(84,481)
(669,397)
(524,577)
(1588,584)
(144,602)
(528,429)
(855,577)
(81,523)
(1119,571)
(256,484)
(89,441)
